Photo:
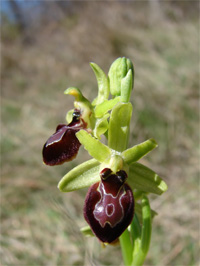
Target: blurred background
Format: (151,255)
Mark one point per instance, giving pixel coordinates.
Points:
(46,46)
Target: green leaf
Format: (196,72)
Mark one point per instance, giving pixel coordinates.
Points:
(119,126)
(103,84)
(105,106)
(126,86)
(144,179)
(101,126)
(94,147)
(83,175)
(138,151)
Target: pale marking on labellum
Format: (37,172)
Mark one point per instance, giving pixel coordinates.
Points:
(99,208)
(113,209)
(57,140)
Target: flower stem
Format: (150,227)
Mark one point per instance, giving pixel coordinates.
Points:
(126,247)
(140,252)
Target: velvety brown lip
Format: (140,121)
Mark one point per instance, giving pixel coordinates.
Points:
(63,145)
(109,206)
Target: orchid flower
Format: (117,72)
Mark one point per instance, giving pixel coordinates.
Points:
(116,205)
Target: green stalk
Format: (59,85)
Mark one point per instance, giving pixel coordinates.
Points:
(118,133)
(134,244)
(126,247)
(140,252)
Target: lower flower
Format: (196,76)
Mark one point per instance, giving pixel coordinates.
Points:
(109,206)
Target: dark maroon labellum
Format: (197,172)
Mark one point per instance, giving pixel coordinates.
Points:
(63,145)
(109,206)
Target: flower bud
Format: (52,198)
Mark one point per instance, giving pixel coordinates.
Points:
(117,72)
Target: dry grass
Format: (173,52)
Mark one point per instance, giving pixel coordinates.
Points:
(40,225)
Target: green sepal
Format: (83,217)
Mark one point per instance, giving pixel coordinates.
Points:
(101,126)
(118,131)
(103,84)
(144,179)
(86,230)
(126,86)
(69,116)
(83,175)
(140,252)
(105,106)
(94,147)
(138,151)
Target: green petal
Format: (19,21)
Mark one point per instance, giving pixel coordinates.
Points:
(138,151)
(101,126)
(94,147)
(103,84)
(105,106)
(69,116)
(119,126)
(142,178)
(83,175)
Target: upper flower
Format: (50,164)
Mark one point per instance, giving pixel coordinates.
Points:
(63,145)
